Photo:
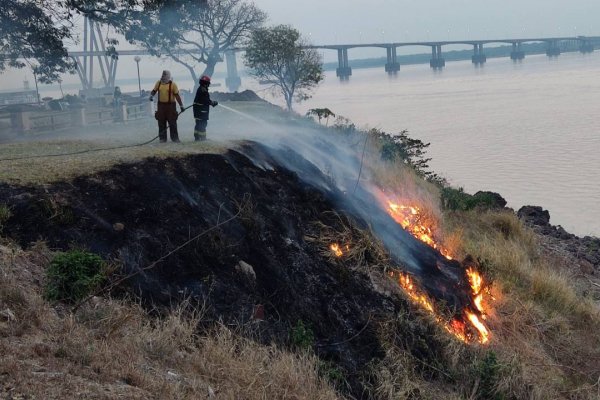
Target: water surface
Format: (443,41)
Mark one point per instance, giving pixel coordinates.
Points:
(530,131)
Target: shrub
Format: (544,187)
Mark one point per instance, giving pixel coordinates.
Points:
(5,215)
(302,336)
(488,371)
(73,275)
(457,199)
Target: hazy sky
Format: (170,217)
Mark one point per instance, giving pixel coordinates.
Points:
(412,20)
(353,21)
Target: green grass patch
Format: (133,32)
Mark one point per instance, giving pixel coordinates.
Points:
(73,275)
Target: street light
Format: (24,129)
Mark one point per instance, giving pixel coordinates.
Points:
(137,61)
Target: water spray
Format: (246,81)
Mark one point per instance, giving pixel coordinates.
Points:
(243,114)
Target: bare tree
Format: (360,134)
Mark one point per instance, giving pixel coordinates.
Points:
(279,55)
(199,35)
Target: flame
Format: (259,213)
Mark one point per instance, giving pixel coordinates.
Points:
(335,249)
(413,221)
(484,334)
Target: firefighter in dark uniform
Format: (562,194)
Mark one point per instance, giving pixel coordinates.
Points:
(202,103)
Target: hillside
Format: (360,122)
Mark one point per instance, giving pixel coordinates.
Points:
(275,263)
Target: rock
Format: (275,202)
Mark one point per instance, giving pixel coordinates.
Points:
(118,227)
(247,269)
(534,215)
(491,199)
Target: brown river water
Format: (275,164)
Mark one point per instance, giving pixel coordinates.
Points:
(530,131)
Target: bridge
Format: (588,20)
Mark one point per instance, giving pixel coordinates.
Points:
(94,48)
(392,66)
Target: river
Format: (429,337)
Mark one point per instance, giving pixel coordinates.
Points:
(530,131)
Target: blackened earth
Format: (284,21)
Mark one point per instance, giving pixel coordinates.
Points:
(137,213)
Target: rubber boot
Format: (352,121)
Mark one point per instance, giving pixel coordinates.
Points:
(199,136)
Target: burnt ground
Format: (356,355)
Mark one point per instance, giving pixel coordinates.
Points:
(137,213)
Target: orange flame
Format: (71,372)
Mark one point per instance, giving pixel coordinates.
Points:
(412,220)
(335,249)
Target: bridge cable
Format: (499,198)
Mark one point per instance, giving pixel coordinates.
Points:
(78,152)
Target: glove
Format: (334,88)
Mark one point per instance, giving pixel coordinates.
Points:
(151,98)
(215,103)
(181,109)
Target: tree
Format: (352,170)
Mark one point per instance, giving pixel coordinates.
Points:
(33,32)
(321,113)
(197,35)
(29,36)
(280,56)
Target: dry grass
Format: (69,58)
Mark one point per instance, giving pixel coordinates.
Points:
(54,169)
(112,349)
(543,325)
(358,246)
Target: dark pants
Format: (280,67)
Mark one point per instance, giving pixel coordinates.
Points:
(200,129)
(167,112)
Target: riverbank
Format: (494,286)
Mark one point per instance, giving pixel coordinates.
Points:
(199,247)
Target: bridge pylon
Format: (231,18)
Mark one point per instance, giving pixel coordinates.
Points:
(517,53)
(392,65)
(437,61)
(478,57)
(344,71)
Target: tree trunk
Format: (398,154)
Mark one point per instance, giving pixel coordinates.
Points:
(211,61)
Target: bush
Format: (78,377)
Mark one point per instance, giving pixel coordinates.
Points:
(488,373)
(457,199)
(5,215)
(302,336)
(73,275)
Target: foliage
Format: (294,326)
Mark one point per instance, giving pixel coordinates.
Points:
(457,199)
(190,35)
(73,274)
(330,371)
(487,371)
(401,147)
(302,336)
(29,36)
(280,56)
(33,33)
(5,215)
(321,113)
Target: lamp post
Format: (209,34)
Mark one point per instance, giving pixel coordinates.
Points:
(37,90)
(137,61)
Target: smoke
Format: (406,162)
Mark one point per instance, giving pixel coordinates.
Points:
(332,163)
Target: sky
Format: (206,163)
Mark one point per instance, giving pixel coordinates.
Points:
(417,20)
(353,21)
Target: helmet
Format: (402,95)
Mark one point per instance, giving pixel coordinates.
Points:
(205,79)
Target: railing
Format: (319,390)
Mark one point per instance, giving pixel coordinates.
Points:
(50,121)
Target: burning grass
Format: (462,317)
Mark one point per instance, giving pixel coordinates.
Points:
(112,348)
(544,324)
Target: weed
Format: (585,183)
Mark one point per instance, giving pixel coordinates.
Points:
(487,372)
(73,275)
(332,373)
(5,215)
(303,337)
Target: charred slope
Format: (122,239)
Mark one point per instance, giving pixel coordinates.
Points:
(138,213)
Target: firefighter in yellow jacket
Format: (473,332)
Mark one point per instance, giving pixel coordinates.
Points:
(168,93)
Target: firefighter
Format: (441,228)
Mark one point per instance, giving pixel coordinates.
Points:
(202,102)
(166,111)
